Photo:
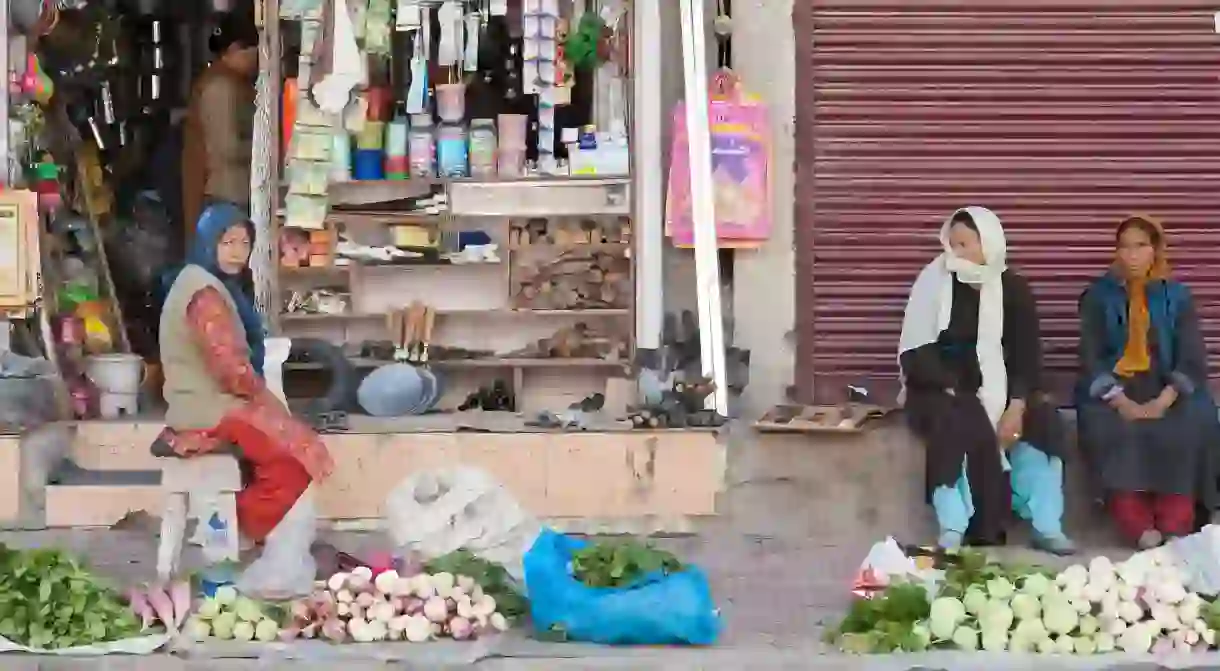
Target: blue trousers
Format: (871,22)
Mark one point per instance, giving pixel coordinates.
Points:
(1037,493)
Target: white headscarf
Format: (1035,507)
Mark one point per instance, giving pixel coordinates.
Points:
(931,303)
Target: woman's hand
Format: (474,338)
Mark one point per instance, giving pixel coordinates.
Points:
(1008,429)
(1127,409)
(1157,407)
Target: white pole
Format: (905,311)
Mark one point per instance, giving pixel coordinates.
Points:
(649,182)
(703,210)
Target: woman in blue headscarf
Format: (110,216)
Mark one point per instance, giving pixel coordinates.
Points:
(211,341)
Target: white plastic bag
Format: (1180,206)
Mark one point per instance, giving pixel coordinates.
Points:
(287,568)
(437,512)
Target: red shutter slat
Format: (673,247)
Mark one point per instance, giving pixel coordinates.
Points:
(1062,117)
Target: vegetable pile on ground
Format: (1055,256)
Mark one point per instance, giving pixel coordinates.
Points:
(166,606)
(618,563)
(1136,606)
(49,601)
(230,616)
(362,608)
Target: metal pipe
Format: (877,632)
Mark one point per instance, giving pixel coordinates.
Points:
(649,176)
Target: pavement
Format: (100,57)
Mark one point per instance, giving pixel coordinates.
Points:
(798,515)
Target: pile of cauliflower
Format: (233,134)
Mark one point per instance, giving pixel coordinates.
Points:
(362,608)
(1137,606)
(227,615)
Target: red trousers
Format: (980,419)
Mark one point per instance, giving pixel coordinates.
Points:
(1137,512)
(278,479)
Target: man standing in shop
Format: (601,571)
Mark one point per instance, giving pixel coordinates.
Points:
(219,129)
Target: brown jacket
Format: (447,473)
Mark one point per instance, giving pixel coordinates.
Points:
(217,142)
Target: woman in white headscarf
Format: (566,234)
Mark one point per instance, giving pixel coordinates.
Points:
(971,361)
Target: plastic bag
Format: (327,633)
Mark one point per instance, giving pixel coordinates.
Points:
(287,568)
(741,169)
(437,512)
(659,610)
(884,561)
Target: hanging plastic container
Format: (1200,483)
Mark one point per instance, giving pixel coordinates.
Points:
(116,373)
(371,136)
(482,149)
(368,165)
(289,113)
(341,158)
(397,162)
(451,102)
(451,151)
(422,146)
(510,163)
(513,131)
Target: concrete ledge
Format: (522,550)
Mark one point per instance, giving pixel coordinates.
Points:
(627,477)
(832,487)
(26,462)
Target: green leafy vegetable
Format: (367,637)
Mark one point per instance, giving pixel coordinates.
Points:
(48,600)
(620,562)
(491,576)
(889,622)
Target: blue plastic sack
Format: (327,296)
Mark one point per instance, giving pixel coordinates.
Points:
(659,610)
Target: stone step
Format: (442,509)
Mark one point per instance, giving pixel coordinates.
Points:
(660,480)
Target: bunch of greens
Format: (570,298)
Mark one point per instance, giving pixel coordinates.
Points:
(891,621)
(48,600)
(495,581)
(620,562)
(970,568)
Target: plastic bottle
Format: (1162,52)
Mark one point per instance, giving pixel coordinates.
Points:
(422,148)
(482,148)
(452,151)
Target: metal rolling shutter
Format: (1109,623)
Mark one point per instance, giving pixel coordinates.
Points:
(1062,117)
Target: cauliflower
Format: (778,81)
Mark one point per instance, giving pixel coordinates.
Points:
(1035,584)
(945,614)
(1059,616)
(1000,588)
(966,638)
(1026,607)
(974,600)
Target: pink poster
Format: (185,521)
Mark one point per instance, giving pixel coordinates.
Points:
(741,176)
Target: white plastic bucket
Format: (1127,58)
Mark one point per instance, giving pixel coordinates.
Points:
(116,373)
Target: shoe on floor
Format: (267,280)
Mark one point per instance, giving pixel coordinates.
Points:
(950,540)
(1150,539)
(1060,546)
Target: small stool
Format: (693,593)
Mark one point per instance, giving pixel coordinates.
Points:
(215,475)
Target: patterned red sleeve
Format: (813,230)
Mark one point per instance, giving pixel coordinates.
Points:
(216,333)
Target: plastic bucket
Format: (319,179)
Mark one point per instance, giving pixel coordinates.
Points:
(116,373)
(451,102)
(512,131)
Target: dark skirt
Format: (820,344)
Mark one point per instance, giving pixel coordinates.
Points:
(1171,455)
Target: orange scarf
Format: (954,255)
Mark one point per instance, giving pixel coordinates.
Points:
(1137,357)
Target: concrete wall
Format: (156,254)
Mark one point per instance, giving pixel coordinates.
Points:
(763,297)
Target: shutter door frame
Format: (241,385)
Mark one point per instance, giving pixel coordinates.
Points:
(1063,116)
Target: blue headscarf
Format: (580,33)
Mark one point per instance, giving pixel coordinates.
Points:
(213,223)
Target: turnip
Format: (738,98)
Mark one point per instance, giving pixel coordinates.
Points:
(344,596)
(1089,625)
(247,610)
(1000,588)
(344,610)
(337,582)
(365,600)
(436,610)
(360,581)
(225,595)
(421,586)
(1104,643)
(418,629)
(974,600)
(382,612)
(465,609)
(1209,637)
(399,623)
(208,609)
(358,613)
(198,629)
(412,605)
(311,630)
(966,638)
(334,630)
(498,622)
(287,634)
(465,583)
(485,606)
(442,581)
(1045,646)
(460,629)
(266,631)
(223,625)
(1085,645)
(377,630)
(946,613)
(1191,637)
(1128,592)
(1130,611)
(243,631)
(361,631)
(386,582)
(1065,645)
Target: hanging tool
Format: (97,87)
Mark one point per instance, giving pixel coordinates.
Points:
(449,17)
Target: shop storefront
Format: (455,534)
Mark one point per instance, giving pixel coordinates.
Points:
(1062,117)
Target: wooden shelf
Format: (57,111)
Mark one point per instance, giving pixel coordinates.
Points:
(469,364)
(370,316)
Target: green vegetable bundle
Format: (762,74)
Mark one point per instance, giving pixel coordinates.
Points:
(492,577)
(620,562)
(48,600)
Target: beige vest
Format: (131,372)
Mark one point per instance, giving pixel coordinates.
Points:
(195,398)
